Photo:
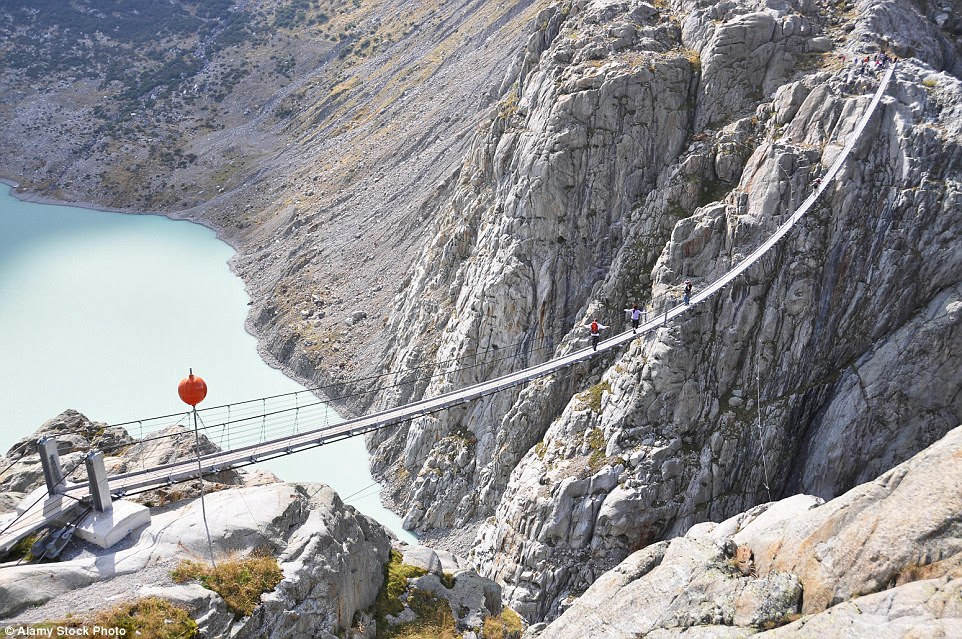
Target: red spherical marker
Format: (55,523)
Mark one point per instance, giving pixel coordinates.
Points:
(192,389)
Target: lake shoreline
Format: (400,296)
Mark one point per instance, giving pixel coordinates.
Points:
(249,325)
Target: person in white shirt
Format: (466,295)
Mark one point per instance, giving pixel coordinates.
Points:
(596,329)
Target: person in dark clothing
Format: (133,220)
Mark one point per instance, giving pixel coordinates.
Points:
(687,291)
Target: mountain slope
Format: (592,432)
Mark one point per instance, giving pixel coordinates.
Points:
(643,146)
(314,136)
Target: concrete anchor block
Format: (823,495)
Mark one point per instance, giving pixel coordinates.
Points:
(105,529)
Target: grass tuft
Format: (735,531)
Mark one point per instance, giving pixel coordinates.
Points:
(592,396)
(509,105)
(786,619)
(596,440)
(434,619)
(21,549)
(540,449)
(597,457)
(240,582)
(396,577)
(146,618)
(149,618)
(507,625)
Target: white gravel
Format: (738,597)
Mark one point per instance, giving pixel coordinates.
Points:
(97,596)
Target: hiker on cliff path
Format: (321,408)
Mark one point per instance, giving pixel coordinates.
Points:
(595,329)
(687,292)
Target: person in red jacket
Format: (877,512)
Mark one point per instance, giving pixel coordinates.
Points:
(595,329)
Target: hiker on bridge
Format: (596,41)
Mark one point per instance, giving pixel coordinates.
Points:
(635,314)
(595,329)
(687,292)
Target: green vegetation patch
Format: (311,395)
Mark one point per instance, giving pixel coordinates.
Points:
(150,49)
(507,625)
(540,449)
(434,617)
(149,618)
(146,618)
(21,549)
(713,191)
(396,575)
(791,617)
(434,620)
(239,582)
(596,442)
(592,396)
(509,105)
(298,13)
(466,436)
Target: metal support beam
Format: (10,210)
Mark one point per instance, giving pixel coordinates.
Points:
(99,486)
(50,460)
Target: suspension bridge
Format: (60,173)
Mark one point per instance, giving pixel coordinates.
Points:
(266,428)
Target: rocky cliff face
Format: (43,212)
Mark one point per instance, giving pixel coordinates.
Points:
(638,146)
(539,208)
(884,559)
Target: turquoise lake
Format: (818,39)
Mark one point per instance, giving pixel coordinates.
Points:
(105,312)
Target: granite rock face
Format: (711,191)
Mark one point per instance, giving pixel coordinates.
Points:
(636,146)
(882,560)
(332,558)
(333,566)
(540,206)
